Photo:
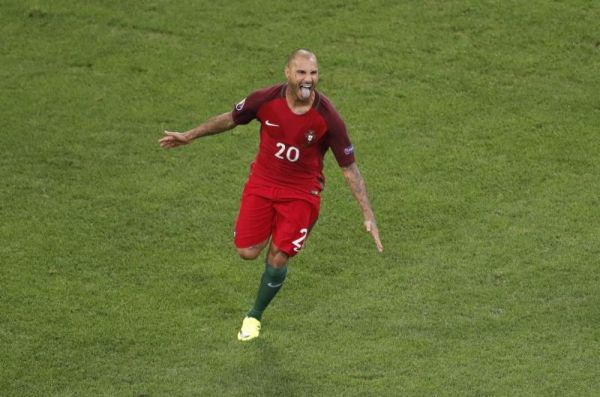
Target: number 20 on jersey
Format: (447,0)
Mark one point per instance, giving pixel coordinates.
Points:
(291,153)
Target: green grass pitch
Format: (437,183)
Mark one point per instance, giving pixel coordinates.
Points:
(477,128)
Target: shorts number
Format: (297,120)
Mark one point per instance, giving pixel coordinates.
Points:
(300,242)
(292,153)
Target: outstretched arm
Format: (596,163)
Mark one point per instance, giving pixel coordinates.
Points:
(214,125)
(359,190)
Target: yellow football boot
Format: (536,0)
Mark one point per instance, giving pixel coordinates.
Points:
(250,329)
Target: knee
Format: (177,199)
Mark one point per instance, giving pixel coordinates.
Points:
(248,253)
(276,257)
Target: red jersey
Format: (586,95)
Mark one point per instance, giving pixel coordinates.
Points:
(292,146)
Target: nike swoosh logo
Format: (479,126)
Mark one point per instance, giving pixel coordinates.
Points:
(274,285)
(271,124)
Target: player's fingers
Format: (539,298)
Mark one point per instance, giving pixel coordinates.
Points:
(374,231)
(168,135)
(165,141)
(171,135)
(375,234)
(169,144)
(178,138)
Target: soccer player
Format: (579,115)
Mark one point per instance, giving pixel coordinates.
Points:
(281,199)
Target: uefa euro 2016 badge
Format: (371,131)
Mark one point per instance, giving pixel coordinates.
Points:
(310,137)
(240,105)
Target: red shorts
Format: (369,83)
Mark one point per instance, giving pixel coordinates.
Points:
(284,214)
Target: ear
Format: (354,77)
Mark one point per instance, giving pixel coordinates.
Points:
(286,70)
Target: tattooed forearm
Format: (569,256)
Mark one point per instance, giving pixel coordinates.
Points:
(357,187)
(359,190)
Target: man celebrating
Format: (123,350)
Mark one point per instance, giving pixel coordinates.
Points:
(281,199)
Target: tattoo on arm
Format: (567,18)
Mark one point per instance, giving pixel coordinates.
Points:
(357,187)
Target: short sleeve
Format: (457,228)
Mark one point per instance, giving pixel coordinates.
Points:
(338,138)
(246,110)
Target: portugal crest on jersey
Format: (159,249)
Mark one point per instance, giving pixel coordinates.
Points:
(310,137)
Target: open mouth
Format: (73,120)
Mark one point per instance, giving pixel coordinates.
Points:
(305,90)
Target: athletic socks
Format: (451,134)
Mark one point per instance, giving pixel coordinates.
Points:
(270,283)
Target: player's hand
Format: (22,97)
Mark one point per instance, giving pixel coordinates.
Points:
(174,139)
(371,227)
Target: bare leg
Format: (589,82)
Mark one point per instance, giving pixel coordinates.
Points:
(252,252)
(276,258)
